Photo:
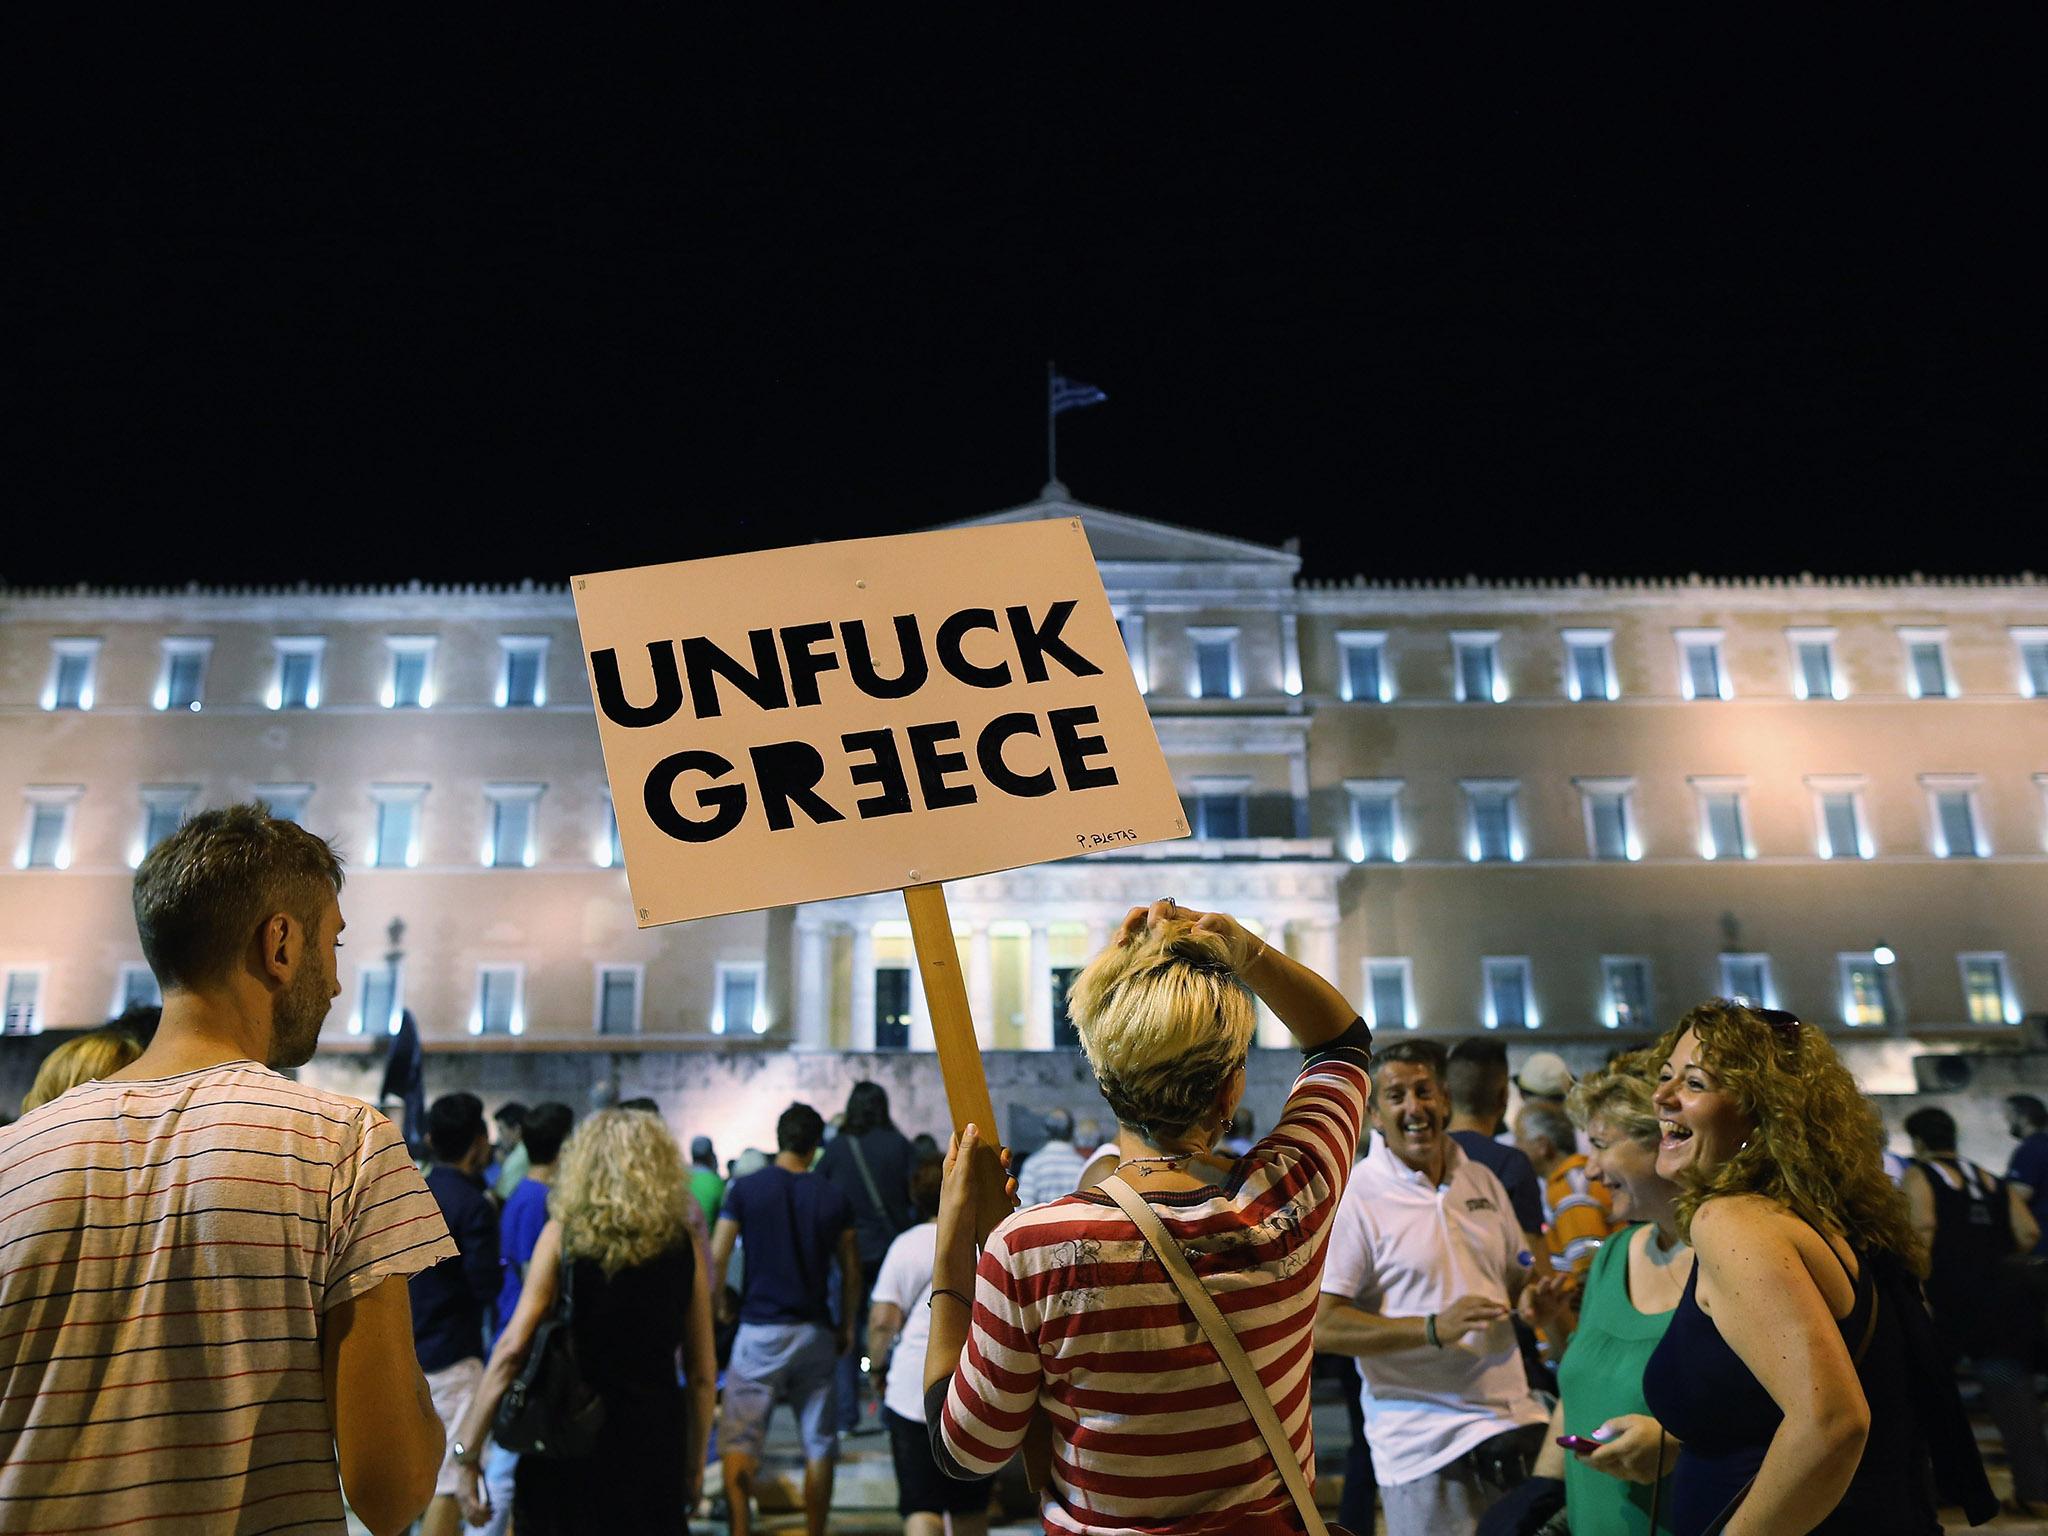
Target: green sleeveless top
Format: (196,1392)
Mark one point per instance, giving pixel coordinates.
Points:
(1602,1376)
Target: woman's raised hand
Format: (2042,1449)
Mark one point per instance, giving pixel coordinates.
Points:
(1243,945)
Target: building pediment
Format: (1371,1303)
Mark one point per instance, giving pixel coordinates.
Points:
(1120,539)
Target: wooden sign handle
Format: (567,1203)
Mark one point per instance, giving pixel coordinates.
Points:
(945,995)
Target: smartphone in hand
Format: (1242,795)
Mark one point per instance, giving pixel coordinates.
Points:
(1581,1443)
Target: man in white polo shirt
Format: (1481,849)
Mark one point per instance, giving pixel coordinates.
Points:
(1423,1267)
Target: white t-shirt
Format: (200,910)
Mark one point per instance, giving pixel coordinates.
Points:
(905,1282)
(1403,1247)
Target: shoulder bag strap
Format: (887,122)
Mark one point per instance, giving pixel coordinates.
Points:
(874,1194)
(1227,1348)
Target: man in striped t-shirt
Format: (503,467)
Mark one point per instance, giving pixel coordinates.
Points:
(1068,1315)
(203,1308)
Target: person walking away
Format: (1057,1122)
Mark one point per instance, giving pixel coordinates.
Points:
(1578,1211)
(899,1325)
(2026,1117)
(1069,1323)
(451,1302)
(509,1159)
(1424,1270)
(869,1160)
(1055,1168)
(1800,1371)
(705,1181)
(542,1131)
(641,1316)
(1975,1227)
(1476,1080)
(797,1229)
(206,1262)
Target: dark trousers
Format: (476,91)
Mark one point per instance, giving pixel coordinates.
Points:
(2009,1395)
(849,1365)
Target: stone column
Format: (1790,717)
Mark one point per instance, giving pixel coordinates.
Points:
(1271,1033)
(862,1037)
(813,984)
(981,985)
(1290,653)
(1038,1010)
(1297,785)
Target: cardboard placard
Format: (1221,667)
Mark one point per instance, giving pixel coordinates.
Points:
(834,719)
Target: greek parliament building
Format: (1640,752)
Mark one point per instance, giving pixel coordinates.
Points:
(1553,809)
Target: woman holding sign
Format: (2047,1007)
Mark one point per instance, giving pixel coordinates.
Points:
(1074,1312)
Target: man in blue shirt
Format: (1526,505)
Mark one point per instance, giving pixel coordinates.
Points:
(546,1127)
(2027,1118)
(450,1300)
(796,1226)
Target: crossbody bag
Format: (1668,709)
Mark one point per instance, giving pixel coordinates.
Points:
(1210,1320)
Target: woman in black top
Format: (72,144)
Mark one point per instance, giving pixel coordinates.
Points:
(1797,1370)
(618,1211)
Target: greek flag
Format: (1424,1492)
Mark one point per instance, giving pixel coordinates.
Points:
(1071,395)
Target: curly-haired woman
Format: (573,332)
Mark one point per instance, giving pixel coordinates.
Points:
(617,1212)
(1070,1316)
(1798,1370)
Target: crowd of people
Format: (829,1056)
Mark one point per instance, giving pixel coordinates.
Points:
(1685,1294)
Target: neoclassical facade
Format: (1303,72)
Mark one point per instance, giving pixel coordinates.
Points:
(1559,809)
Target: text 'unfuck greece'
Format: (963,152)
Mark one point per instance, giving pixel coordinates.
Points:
(925,765)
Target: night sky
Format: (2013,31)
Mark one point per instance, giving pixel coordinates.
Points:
(465,304)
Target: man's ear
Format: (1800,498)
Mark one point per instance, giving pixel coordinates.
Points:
(278,943)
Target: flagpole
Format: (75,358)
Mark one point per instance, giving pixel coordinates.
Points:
(1052,442)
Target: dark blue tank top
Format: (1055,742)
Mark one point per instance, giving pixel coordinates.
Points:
(1699,1389)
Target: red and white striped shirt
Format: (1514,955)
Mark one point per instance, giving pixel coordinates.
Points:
(1072,1314)
(167,1251)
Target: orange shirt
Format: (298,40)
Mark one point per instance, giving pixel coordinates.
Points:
(1578,1214)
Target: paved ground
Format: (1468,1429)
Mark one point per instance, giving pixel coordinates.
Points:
(864,1500)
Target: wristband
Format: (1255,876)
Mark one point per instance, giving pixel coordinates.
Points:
(940,1290)
(1429,1332)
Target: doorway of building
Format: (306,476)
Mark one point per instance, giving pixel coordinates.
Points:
(892,1007)
(1064,1035)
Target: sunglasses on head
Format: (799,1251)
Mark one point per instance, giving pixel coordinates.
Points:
(1787,1024)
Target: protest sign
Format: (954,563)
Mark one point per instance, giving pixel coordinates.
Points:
(874,714)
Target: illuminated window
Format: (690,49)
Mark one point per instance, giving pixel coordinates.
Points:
(1927,673)
(1724,826)
(1508,1001)
(1362,675)
(1625,984)
(135,987)
(380,999)
(1987,989)
(510,843)
(1814,673)
(164,809)
(1865,1000)
(397,843)
(500,1007)
(1132,627)
(1491,830)
(24,1002)
(1220,808)
(1701,672)
(738,1006)
(46,829)
(74,666)
(1479,677)
(1957,829)
(409,684)
(1610,818)
(1376,821)
(1390,994)
(181,677)
(1747,979)
(287,802)
(297,682)
(2032,646)
(522,671)
(1843,830)
(1589,664)
(1217,674)
(616,1006)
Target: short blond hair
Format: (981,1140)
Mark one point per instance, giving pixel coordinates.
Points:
(1619,1093)
(86,1059)
(619,1190)
(1164,1022)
